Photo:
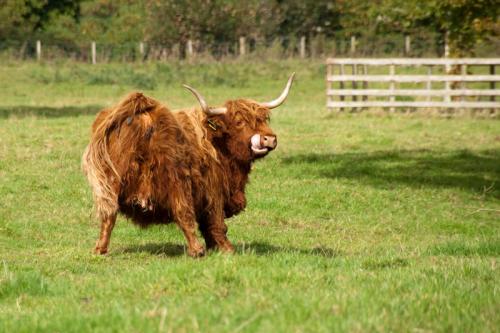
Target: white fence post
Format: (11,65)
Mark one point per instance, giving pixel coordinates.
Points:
(141,49)
(407,44)
(38,50)
(365,84)
(189,48)
(492,83)
(446,45)
(242,46)
(428,84)
(93,51)
(354,71)
(392,87)
(342,73)
(463,85)
(329,73)
(353,45)
(303,47)
(447,84)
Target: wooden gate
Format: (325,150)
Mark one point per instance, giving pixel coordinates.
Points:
(412,83)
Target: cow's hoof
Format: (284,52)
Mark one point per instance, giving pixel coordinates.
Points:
(227,248)
(196,252)
(101,251)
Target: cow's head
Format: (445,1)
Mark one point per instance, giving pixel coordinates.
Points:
(241,127)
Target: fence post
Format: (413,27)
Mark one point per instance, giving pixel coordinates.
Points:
(354,84)
(407,44)
(303,47)
(353,44)
(342,97)
(428,85)
(93,50)
(392,86)
(329,73)
(242,46)
(463,85)
(38,50)
(141,50)
(189,48)
(447,85)
(446,45)
(365,83)
(492,83)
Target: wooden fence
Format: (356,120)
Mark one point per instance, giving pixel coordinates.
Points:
(412,83)
(290,46)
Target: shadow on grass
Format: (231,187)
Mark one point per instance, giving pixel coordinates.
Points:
(377,264)
(256,248)
(49,112)
(476,171)
(261,248)
(459,249)
(166,249)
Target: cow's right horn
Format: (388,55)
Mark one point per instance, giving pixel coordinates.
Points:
(278,101)
(204,106)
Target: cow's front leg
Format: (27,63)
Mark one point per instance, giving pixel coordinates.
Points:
(107,224)
(214,231)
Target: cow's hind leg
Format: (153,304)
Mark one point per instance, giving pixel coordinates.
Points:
(107,224)
(187,224)
(183,213)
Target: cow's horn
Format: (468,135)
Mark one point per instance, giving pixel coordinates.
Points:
(203,104)
(278,101)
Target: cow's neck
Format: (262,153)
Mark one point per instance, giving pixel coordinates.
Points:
(237,170)
(238,173)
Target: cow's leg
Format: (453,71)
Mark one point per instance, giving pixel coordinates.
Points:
(186,221)
(207,235)
(107,225)
(214,232)
(183,213)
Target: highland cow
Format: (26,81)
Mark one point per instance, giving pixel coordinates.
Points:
(190,167)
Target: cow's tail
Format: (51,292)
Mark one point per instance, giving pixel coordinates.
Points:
(101,172)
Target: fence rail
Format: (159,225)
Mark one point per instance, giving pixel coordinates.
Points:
(413,61)
(351,79)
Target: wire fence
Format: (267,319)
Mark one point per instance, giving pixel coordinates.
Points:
(388,45)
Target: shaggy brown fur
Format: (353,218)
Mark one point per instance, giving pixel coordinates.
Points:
(157,166)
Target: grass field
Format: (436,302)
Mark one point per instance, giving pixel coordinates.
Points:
(357,222)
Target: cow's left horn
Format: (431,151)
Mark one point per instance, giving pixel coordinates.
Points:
(204,106)
(278,101)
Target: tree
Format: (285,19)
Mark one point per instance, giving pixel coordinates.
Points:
(300,18)
(209,21)
(14,22)
(464,22)
(20,19)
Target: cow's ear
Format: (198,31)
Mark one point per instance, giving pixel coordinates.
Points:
(216,126)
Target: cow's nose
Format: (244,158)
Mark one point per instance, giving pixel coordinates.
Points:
(269,141)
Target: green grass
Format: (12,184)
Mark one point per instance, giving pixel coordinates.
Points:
(357,222)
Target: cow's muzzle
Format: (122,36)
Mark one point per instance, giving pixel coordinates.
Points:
(262,144)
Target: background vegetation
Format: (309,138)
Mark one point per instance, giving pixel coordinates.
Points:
(67,27)
(357,222)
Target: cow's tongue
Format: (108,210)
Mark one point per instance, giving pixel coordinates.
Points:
(256,146)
